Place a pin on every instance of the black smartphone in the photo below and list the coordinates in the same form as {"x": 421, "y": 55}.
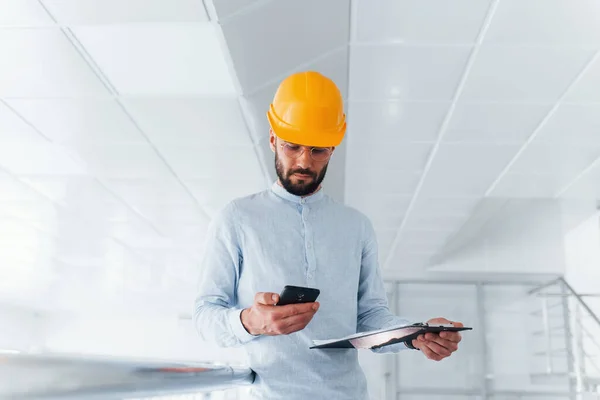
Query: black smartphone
{"x": 297, "y": 294}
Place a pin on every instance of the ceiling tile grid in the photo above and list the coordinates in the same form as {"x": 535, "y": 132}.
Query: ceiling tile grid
{"x": 425, "y": 21}
{"x": 125, "y": 126}
{"x": 92, "y": 12}
{"x": 64, "y": 72}
{"x": 168, "y": 59}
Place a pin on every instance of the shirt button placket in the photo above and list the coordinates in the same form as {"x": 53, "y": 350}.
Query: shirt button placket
{"x": 308, "y": 245}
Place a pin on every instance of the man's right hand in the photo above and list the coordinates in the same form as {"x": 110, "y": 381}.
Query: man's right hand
{"x": 264, "y": 318}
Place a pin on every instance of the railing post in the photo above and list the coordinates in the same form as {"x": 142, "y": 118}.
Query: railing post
{"x": 546, "y": 321}
{"x": 578, "y": 345}
{"x": 568, "y": 340}
{"x": 485, "y": 371}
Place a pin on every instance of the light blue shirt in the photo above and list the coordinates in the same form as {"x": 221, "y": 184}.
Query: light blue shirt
{"x": 262, "y": 242}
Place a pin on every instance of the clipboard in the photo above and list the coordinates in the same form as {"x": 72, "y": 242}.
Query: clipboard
{"x": 384, "y": 337}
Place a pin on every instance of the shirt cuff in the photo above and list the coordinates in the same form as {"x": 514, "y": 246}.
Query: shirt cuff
{"x": 235, "y": 323}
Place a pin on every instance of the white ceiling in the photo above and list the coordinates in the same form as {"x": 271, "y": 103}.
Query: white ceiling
{"x": 124, "y": 125}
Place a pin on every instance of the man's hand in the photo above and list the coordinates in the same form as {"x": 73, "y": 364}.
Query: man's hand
{"x": 438, "y": 346}
{"x": 264, "y": 318}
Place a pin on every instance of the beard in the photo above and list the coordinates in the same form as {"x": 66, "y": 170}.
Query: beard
{"x": 302, "y": 187}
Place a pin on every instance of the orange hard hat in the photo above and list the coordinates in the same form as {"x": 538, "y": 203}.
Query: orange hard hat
{"x": 308, "y": 110}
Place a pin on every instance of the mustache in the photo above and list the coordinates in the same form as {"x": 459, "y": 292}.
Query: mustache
{"x": 303, "y": 172}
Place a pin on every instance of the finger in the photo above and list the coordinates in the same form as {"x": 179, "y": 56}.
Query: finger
{"x": 429, "y": 353}
{"x": 438, "y": 321}
{"x": 437, "y": 349}
{"x": 296, "y": 322}
{"x": 296, "y": 309}
{"x": 451, "y": 336}
{"x": 458, "y": 324}
{"x": 452, "y": 346}
{"x": 266, "y": 298}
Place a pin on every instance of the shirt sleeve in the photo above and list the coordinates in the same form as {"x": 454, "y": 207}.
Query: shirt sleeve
{"x": 373, "y": 309}
{"x": 216, "y": 316}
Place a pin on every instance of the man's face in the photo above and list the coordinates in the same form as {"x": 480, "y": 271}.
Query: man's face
{"x": 300, "y": 176}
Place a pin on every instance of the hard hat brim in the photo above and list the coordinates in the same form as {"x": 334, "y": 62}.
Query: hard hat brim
{"x": 331, "y": 138}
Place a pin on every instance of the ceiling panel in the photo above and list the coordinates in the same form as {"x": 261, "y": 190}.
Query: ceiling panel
{"x": 213, "y": 193}
{"x": 138, "y": 235}
{"x": 91, "y": 12}
{"x": 159, "y": 59}
{"x": 79, "y": 197}
{"x": 214, "y": 121}
{"x": 32, "y": 211}
{"x": 42, "y": 159}
{"x": 313, "y": 28}
{"x": 420, "y": 21}
{"x": 23, "y": 13}
{"x": 469, "y": 159}
{"x": 81, "y": 121}
{"x": 122, "y": 161}
{"x": 62, "y": 189}
{"x": 170, "y": 218}
{"x": 406, "y": 72}
{"x": 572, "y": 124}
{"x": 523, "y": 74}
{"x": 514, "y": 185}
{"x": 587, "y": 186}
{"x": 64, "y": 72}
{"x": 587, "y": 89}
{"x": 364, "y": 201}
{"x": 11, "y": 189}
{"x": 466, "y": 169}
{"x": 547, "y": 22}
{"x": 226, "y": 8}
{"x": 392, "y": 157}
{"x": 198, "y": 162}
{"x": 165, "y": 191}
{"x": 14, "y": 129}
{"x": 502, "y": 123}
{"x": 442, "y": 222}
{"x": 406, "y": 261}
{"x": 444, "y": 206}
{"x": 439, "y": 183}
{"x": 383, "y": 221}
{"x": 390, "y": 122}
{"x": 561, "y": 159}
{"x": 422, "y": 240}
{"x": 371, "y": 180}
{"x": 385, "y": 238}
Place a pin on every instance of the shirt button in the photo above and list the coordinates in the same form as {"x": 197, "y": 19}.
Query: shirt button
{"x": 308, "y": 245}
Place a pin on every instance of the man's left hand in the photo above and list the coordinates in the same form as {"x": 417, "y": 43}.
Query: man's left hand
{"x": 438, "y": 346}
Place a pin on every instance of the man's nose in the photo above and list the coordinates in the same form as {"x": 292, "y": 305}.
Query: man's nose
{"x": 304, "y": 161}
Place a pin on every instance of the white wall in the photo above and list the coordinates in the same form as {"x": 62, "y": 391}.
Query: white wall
{"x": 509, "y": 236}
{"x": 582, "y": 248}
{"x": 20, "y": 328}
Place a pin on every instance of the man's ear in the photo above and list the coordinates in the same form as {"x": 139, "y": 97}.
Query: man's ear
{"x": 272, "y": 141}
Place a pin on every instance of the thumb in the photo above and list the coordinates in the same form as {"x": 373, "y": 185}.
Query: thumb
{"x": 266, "y": 298}
{"x": 439, "y": 321}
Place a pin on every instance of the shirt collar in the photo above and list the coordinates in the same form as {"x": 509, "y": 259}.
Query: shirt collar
{"x": 284, "y": 194}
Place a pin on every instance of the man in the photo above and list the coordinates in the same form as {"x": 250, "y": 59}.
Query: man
{"x": 294, "y": 234}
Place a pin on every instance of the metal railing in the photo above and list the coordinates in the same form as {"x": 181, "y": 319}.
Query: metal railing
{"x": 558, "y": 360}
{"x": 44, "y": 376}
{"x": 577, "y": 335}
